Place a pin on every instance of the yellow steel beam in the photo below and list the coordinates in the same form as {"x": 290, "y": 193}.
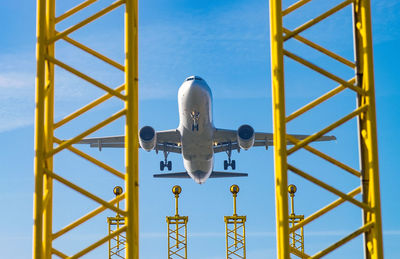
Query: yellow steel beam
{"x": 316, "y": 20}
{"x": 321, "y": 49}
{"x": 48, "y": 131}
{"x": 326, "y": 157}
{"x": 74, "y": 10}
{"x": 299, "y": 253}
{"x": 346, "y": 239}
{"x": 278, "y": 104}
{"x": 85, "y": 77}
{"x": 93, "y": 160}
{"x": 367, "y": 128}
{"x": 40, "y": 143}
{"x": 86, "y": 21}
{"x": 94, "y": 53}
{"x": 98, "y": 243}
{"x": 58, "y": 253}
{"x": 322, "y": 71}
{"x": 322, "y": 132}
{"x": 295, "y": 6}
{"x": 76, "y": 139}
{"x": 88, "y": 107}
{"x": 318, "y": 101}
{"x": 131, "y": 129}
{"x": 329, "y": 188}
{"x": 324, "y": 210}
{"x": 86, "y": 217}
{"x": 84, "y": 192}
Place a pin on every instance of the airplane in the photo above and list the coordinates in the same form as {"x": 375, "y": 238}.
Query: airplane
{"x": 196, "y": 138}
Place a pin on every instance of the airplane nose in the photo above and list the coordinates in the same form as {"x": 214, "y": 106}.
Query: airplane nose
{"x": 199, "y": 176}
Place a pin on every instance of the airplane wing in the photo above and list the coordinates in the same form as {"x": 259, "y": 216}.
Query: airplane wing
{"x": 227, "y": 139}
{"x": 168, "y": 140}
{"x": 214, "y": 174}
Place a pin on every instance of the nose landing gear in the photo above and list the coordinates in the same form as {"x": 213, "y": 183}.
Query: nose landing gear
{"x": 195, "y": 117}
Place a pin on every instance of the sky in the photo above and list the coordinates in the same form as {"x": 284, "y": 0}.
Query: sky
{"x": 227, "y": 44}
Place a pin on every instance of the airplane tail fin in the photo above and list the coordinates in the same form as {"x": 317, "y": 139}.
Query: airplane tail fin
{"x": 214, "y": 174}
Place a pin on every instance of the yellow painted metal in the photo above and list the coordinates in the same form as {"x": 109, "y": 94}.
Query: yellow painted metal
{"x": 367, "y": 128}
{"x": 363, "y": 87}
{"x": 39, "y": 131}
{"x": 177, "y": 230}
{"x": 116, "y": 245}
{"x": 279, "y": 126}
{"x": 87, "y": 21}
{"x": 324, "y": 210}
{"x": 87, "y": 217}
{"x": 87, "y": 107}
{"x": 47, "y": 144}
{"x": 296, "y": 239}
{"x": 131, "y": 129}
{"x": 93, "y": 160}
{"x": 235, "y": 231}
{"x": 318, "y": 101}
{"x": 49, "y": 119}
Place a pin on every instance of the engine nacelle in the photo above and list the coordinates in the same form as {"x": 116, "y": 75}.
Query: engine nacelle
{"x": 147, "y": 138}
{"x": 245, "y": 136}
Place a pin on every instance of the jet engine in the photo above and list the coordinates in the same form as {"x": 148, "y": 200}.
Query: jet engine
{"x": 245, "y": 136}
{"x": 147, "y": 138}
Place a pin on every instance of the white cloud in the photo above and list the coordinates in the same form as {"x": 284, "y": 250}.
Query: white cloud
{"x": 17, "y": 80}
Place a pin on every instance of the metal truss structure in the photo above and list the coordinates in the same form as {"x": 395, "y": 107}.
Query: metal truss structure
{"x": 296, "y": 237}
{"x": 177, "y": 230}
{"x": 362, "y": 86}
{"x": 177, "y": 236}
{"x": 47, "y": 145}
{"x": 235, "y": 231}
{"x": 116, "y": 245}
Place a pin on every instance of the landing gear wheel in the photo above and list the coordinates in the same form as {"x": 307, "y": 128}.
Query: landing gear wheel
{"x": 162, "y": 165}
{"x": 169, "y": 165}
{"x": 225, "y": 164}
{"x": 233, "y": 164}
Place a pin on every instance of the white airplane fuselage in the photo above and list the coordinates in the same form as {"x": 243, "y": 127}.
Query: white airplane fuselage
{"x": 196, "y": 128}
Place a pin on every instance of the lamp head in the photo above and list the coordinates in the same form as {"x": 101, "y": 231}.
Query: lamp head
{"x": 292, "y": 189}
{"x": 118, "y": 190}
{"x": 176, "y": 190}
{"x": 234, "y": 189}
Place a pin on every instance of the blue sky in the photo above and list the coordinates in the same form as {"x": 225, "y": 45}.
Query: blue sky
{"x": 227, "y": 43}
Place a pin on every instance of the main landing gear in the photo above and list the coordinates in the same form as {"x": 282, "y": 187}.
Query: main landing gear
{"x": 165, "y": 163}
{"x": 229, "y": 162}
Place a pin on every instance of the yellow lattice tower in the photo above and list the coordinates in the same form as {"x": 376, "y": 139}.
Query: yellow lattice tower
{"x": 296, "y": 237}
{"x": 235, "y": 231}
{"x": 362, "y": 88}
{"x": 177, "y": 230}
{"x": 47, "y": 145}
{"x": 116, "y": 245}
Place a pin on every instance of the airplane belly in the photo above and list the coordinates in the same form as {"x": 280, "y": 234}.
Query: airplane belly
{"x": 198, "y": 154}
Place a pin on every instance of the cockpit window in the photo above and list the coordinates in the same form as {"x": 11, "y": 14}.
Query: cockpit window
{"x": 194, "y": 78}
